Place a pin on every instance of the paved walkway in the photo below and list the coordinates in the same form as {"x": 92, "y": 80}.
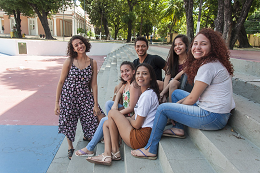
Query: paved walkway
{"x": 28, "y": 126}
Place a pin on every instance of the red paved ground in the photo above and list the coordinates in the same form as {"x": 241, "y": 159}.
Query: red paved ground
{"x": 28, "y": 87}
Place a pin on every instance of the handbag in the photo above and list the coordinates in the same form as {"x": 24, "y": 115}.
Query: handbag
{"x": 184, "y": 84}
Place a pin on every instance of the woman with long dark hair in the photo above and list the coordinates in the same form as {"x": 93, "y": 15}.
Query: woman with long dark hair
{"x": 208, "y": 105}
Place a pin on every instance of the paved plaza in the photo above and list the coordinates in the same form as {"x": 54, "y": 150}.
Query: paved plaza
{"x": 28, "y": 126}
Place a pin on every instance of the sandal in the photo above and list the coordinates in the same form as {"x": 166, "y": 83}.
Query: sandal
{"x": 114, "y": 157}
{"x": 70, "y": 153}
{"x": 145, "y": 156}
{"x": 100, "y": 162}
{"x": 173, "y": 135}
{"x": 83, "y": 153}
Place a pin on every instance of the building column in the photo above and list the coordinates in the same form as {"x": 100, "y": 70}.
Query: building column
{"x": 55, "y": 27}
{"x": 1, "y": 26}
{"x": 36, "y": 26}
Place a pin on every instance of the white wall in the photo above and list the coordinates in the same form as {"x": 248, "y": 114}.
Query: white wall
{"x": 51, "y": 48}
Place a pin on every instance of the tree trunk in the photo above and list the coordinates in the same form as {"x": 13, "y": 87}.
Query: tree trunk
{"x": 242, "y": 38}
{"x": 227, "y": 22}
{"x": 17, "y": 17}
{"x": 131, "y": 4}
{"x": 243, "y": 15}
{"x": 129, "y": 31}
{"x": 189, "y": 18}
{"x": 105, "y": 24}
{"x": 219, "y": 22}
{"x": 44, "y": 21}
{"x": 141, "y": 25}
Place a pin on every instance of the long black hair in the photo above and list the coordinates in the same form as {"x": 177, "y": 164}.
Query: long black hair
{"x": 131, "y": 66}
{"x": 173, "y": 58}
{"x": 153, "y": 83}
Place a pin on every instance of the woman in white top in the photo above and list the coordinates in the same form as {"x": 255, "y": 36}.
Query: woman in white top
{"x": 208, "y": 105}
{"x": 135, "y": 130}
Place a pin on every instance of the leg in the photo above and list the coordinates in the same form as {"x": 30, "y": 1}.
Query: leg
{"x": 173, "y": 85}
{"x": 104, "y": 158}
{"x": 94, "y": 141}
{"x": 118, "y": 124}
{"x": 109, "y": 105}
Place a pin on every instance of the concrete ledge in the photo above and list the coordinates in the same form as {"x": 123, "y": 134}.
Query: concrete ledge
{"x": 247, "y": 67}
{"x": 226, "y": 151}
{"x": 181, "y": 155}
{"x": 245, "y": 119}
{"x": 51, "y": 47}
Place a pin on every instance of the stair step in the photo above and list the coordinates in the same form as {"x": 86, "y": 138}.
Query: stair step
{"x": 226, "y": 151}
{"x": 137, "y": 165}
{"x": 246, "y": 67}
{"x": 181, "y": 155}
{"x": 245, "y": 119}
{"x": 247, "y": 86}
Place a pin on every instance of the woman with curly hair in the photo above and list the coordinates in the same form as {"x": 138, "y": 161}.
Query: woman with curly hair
{"x": 78, "y": 77}
{"x": 208, "y": 105}
{"x": 176, "y": 58}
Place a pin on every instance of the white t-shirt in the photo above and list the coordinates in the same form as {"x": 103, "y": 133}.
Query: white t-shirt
{"x": 218, "y": 96}
{"x": 146, "y": 106}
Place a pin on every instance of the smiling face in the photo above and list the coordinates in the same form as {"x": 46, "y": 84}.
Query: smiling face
{"x": 179, "y": 46}
{"x": 143, "y": 77}
{"x": 78, "y": 46}
{"x": 141, "y": 48}
{"x": 201, "y": 46}
{"x": 127, "y": 72}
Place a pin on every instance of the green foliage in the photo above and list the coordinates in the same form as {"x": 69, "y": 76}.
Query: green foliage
{"x": 252, "y": 24}
{"x": 81, "y": 30}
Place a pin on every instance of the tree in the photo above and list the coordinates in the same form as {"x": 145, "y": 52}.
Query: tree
{"x": 219, "y": 22}
{"x": 16, "y": 7}
{"x": 130, "y": 17}
{"x": 99, "y": 11}
{"x": 44, "y": 8}
{"x": 189, "y": 18}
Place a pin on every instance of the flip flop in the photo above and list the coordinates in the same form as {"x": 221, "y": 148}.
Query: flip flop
{"x": 83, "y": 154}
{"x": 145, "y": 156}
{"x": 173, "y": 135}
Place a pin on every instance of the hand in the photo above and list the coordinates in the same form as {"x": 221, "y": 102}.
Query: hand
{"x": 57, "y": 109}
{"x": 96, "y": 110}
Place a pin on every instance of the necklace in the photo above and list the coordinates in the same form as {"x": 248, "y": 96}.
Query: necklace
{"x": 83, "y": 66}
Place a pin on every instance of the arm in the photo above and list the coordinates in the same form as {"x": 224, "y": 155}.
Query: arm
{"x": 134, "y": 96}
{"x": 196, "y": 92}
{"x": 137, "y": 124}
{"x": 117, "y": 98}
{"x": 94, "y": 88}
{"x": 64, "y": 74}
{"x": 178, "y": 76}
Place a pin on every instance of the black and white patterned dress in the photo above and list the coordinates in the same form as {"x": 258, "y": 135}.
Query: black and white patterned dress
{"x": 77, "y": 102}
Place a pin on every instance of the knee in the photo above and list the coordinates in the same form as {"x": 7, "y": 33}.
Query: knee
{"x": 174, "y": 83}
{"x": 111, "y": 113}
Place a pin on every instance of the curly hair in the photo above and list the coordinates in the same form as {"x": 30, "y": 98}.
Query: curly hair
{"x": 219, "y": 52}
{"x": 153, "y": 83}
{"x": 70, "y": 50}
{"x": 131, "y": 65}
{"x": 173, "y": 58}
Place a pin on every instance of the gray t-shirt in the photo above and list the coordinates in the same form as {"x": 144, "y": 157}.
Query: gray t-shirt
{"x": 218, "y": 96}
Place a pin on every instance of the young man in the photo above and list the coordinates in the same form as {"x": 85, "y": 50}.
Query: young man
{"x": 157, "y": 62}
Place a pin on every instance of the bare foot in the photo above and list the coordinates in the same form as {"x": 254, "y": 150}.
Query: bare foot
{"x": 142, "y": 153}
{"x": 84, "y": 152}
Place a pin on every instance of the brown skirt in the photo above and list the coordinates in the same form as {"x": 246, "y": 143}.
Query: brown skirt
{"x": 139, "y": 137}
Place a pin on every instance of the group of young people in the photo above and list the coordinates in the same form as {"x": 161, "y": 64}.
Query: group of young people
{"x": 140, "y": 120}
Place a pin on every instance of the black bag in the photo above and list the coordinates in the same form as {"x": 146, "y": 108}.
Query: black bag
{"x": 184, "y": 85}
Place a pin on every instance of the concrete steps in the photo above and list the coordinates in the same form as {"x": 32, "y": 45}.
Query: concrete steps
{"x": 236, "y": 148}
